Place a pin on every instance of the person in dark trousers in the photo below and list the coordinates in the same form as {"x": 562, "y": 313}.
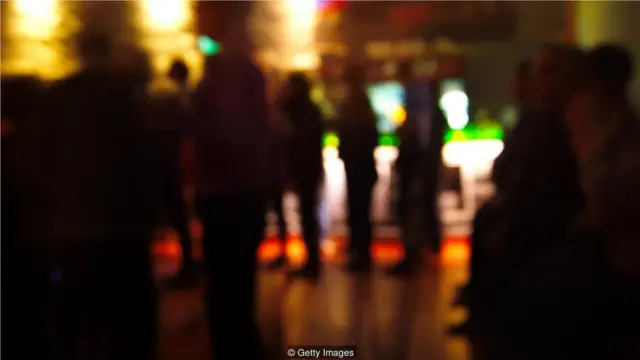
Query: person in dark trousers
{"x": 229, "y": 141}
{"x": 172, "y": 139}
{"x": 87, "y": 158}
{"x": 418, "y": 167}
{"x": 358, "y": 140}
{"x": 306, "y": 163}
{"x": 279, "y": 179}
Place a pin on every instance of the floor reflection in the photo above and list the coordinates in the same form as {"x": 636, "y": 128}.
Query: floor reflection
{"x": 387, "y": 318}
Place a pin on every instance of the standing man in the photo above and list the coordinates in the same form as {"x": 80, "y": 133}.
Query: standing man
{"x": 172, "y": 139}
{"x": 418, "y": 165}
{"x": 229, "y": 138}
{"x": 88, "y": 161}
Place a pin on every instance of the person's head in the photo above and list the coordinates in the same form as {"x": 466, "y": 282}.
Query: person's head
{"x": 610, "y": 70}
{"x": 298, "y": 87}
{"x": 94, "y": 50}
{"x": 558, "y": 71}
{"x": 521, "y": 83}
{"x": 405, "y": 71}
{"x": 179, "y": 72}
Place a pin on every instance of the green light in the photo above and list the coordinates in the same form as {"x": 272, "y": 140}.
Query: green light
{"x": 470, "y": 133}
{"x": 388, "y": 140}
{"x": 208, "y": 46}
{"x": 331, "y": 140}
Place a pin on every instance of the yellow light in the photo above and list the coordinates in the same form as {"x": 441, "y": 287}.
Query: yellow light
{"x": 398, "y": 115}
{"x": 34, "y": 40}
{"x": 166, "y": 15}
{"x": 39, "y": 18}
{"x": 288, "y": 28}
{"x": 168, "y": 33}
{"x": 304, "y": 61}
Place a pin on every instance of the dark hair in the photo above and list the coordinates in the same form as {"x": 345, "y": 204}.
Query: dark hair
{"x": 572, "y": 57}
{"x": 300, "y": 81}
{"x": 94, "y": 45}
{"x": 611, "y": 64}
{"x": 179, "y": 70}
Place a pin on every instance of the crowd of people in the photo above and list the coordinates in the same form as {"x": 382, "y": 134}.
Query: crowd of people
{"x": 94, "y": 165}
{"x": 554, "y": 262}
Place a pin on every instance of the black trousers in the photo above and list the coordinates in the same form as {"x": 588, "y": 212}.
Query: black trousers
{"x": 179, "y": 217}
{"x": 96, "y": 299}
{"x": 308, "y": 203}
{"x": 427, "y": 177}
{"x": 233, "y": 230}
{"x": 25, "y": 304}
{"x": 486, "y": 272}
{"x": 276, "y": 202}
{"x": 359, "y": 195}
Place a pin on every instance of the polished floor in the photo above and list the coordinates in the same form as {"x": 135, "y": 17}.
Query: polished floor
{"x": 387, "y": 318}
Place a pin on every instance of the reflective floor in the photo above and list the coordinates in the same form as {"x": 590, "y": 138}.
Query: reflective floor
{"x": 386, "y": 318}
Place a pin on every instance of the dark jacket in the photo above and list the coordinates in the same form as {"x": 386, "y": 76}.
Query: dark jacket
{"x": 304, "y": 147}
{"x": 87, "y": 156}
{"x": 542, "y": 196}
{"x": 358, "y": 139}
{"x": 410, "y": 155}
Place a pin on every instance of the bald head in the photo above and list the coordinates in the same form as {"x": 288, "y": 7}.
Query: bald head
{"x": 558, "y": 72}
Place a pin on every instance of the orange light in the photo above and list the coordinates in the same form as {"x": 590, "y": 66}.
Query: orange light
{"x": 399, "y": 115}
{"x": 456, "y": 250}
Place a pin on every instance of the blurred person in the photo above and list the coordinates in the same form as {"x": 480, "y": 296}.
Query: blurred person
{"x": 358, "y": 140}
{"x": 304, "y": 152}
{"x": 176, "y": 111}
{"x": 279, "y": 178}
{"x": 229, "y": 140}
{"x": 537, "y": 193}
{"x": 520, "y": 89}
{"x": 24, "y": 275}
{"x": 591, "y": 287}
{"x": 87, "y": 159}
{"x": 418, "y": 168}
{"x": 505, "y": 163}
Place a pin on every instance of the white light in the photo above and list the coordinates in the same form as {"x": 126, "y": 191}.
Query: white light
{"x": 166, "y": 15}
{"x": 455, "y": 104}
{"x": 471, "y": 153}
{"x": 39, "y": 18}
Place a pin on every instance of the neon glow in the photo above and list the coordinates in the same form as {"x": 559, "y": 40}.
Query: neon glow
{"x": 208, "y": 46}
{"x": 387, "y": 100}
{"x": 455, "y": 104}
